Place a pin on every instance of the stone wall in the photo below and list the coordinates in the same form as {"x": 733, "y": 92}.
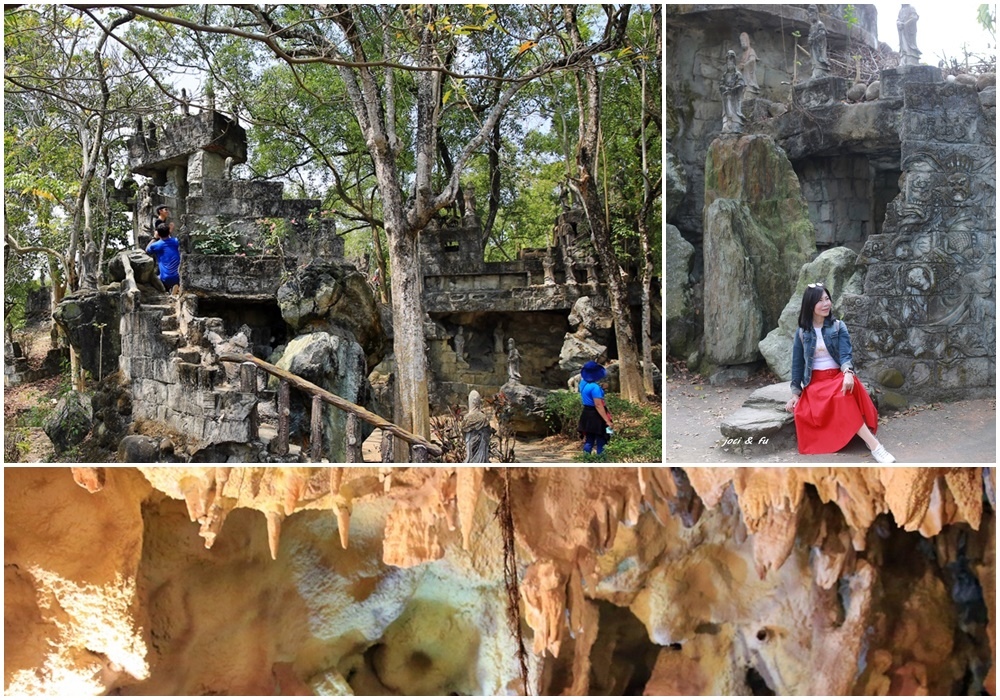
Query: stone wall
{"x": 697, "y": 40}
{"x": 839, "y": 192}
{"x": 927, "y": 318}
{"x": 178, "y": 393}
{"x": 230, "y": 275}
{"x": 483, "y": 366}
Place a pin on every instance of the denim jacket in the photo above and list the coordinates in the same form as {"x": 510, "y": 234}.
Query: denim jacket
{"x": 838, "y": 342}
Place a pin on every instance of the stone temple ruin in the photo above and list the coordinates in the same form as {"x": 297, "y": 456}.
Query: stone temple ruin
{"x": 266, "y": 276}
{"x": 885, "y": 190}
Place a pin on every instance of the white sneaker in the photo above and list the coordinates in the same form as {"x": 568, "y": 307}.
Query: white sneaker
{"x": 882, "y": 455}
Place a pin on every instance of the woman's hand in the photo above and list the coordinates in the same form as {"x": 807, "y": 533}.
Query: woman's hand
{"x": 792, "y": 403}
{"x": 848, "y": 387}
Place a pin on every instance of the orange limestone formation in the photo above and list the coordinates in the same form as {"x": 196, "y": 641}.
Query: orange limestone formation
{"x": 184, "y": 580}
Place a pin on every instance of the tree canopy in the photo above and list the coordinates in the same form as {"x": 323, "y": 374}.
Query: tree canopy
{"x": 384, "y": 112}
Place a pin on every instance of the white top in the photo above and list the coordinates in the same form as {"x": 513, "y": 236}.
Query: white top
{"x": 821, "y": 357}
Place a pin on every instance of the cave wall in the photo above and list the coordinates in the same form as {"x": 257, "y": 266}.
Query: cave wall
{"x": 299, "y": 580}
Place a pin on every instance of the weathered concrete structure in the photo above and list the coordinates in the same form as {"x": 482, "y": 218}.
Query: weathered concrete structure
{"x": 265, "y": 276}
{"x": 907, "y": 179}
{"x": 476, "y": 306}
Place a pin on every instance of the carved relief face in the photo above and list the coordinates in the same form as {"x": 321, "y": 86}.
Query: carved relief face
{"x": 958, "y": 184}
{"x": 919, "y": 279}
{"x": 918, "y": 187}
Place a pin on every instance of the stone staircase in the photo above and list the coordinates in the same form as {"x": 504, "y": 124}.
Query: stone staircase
{"x": 762, "y": 422}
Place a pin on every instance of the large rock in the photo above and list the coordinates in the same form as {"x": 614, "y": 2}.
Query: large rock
{"x": 336, "y": 364}
{"x": 762, "y": 422}
{"x": 596, "y": 321}
{"x": 837, "y": 269}
{"x": 529, "y": 408}
{"x": 678, "y": 310}
{"x": 335, "y": 298}
{"x": 576, "y": 352}
{"x": 70, "y": 421}
{"x": 144, "y": 267}
{"x": 91, "y": 320}
{"x": 675, "y": 182}
{"x": 757, "y": 237}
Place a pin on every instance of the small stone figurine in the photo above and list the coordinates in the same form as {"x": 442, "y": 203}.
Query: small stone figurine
{"x": 748, "y": 64}
{"x": 513, "y": 361}
{"x": 731, "y": 87}
{"x": 476, "y": 428}
{"x": 817, "y": 45}
{"x": 906, "y": 25}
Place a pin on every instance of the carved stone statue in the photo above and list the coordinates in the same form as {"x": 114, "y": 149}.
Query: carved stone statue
{"x": 469, "y": 196}
{"x": 185, "y": 102}
{"x": 817, "y": 45}
{"x": 460, "y": 344}
{"x": 748, "y": 64}
{"x": 549, "y": 266}
{"x": 906, "y": 25}
{"x": 229, "y": 168}
{"x": 731, "y": 87}
{"x": 476, "y": 427}
{"x": 498, "y": 339}
{"x": 513, "y": 361}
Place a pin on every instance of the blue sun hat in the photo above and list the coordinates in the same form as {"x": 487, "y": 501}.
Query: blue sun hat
{"x": 593, "y": 372}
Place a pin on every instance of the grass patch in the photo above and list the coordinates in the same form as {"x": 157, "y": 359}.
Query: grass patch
{"x": 638, "y": 428}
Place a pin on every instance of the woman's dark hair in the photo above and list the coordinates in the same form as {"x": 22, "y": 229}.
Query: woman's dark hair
{"x": 809, "y": 301}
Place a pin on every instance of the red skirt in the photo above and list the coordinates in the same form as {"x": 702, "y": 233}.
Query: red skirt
{"x": 826, "y": 419}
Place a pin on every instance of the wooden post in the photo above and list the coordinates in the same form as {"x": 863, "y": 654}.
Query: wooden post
{"x": 316, "y": 430}
{"x": 284, "y": 397}
{"x": 353, "y": 453}
{"x": 386, "y": 448}
{"x": 248, "y": 385}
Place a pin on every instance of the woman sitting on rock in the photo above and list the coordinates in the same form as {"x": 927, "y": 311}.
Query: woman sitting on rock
{"x": 830, "y": 406}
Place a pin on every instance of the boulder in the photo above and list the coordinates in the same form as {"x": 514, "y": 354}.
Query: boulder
{"x": 678, "y": 310}
{"x": 577, "y": 351}
{"x": 836, "y": 268}
{"x": 986, "y": 80}
{"x": 139, "y": 449}
{"x": 874, "y": 91}
{"x": 144, "y": 267}
{"x": 91, "y": 321}
{"x": 70, "y": 421}
{"x": 336, "y": 364}
{"x": 757, "y": 237}
{"x": 529, "y": 408}
{"x": 596, "y": 321}
{"x": 856, "y": 93}
{"x": 334, "y": 298}
{"x": 675, "y": 183}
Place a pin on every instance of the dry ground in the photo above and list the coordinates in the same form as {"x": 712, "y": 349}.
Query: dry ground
{"x": 959, "y": 432}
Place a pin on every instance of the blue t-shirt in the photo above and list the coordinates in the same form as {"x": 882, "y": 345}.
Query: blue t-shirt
{"x": 168, "y": 256}
{"x": 590, "y": 391}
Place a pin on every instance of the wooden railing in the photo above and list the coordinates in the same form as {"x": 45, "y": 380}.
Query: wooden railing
{"x": 420, "y": 448}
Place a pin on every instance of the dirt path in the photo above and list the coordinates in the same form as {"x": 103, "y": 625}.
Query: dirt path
{"x": 960, "y": 432}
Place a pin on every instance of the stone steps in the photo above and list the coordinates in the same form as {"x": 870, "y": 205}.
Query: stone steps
{"x": 762, "y": 420}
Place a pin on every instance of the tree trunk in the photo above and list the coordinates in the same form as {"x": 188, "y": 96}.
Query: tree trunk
{"x": 589, "y": 100}
{"x": 412, "y": 411}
